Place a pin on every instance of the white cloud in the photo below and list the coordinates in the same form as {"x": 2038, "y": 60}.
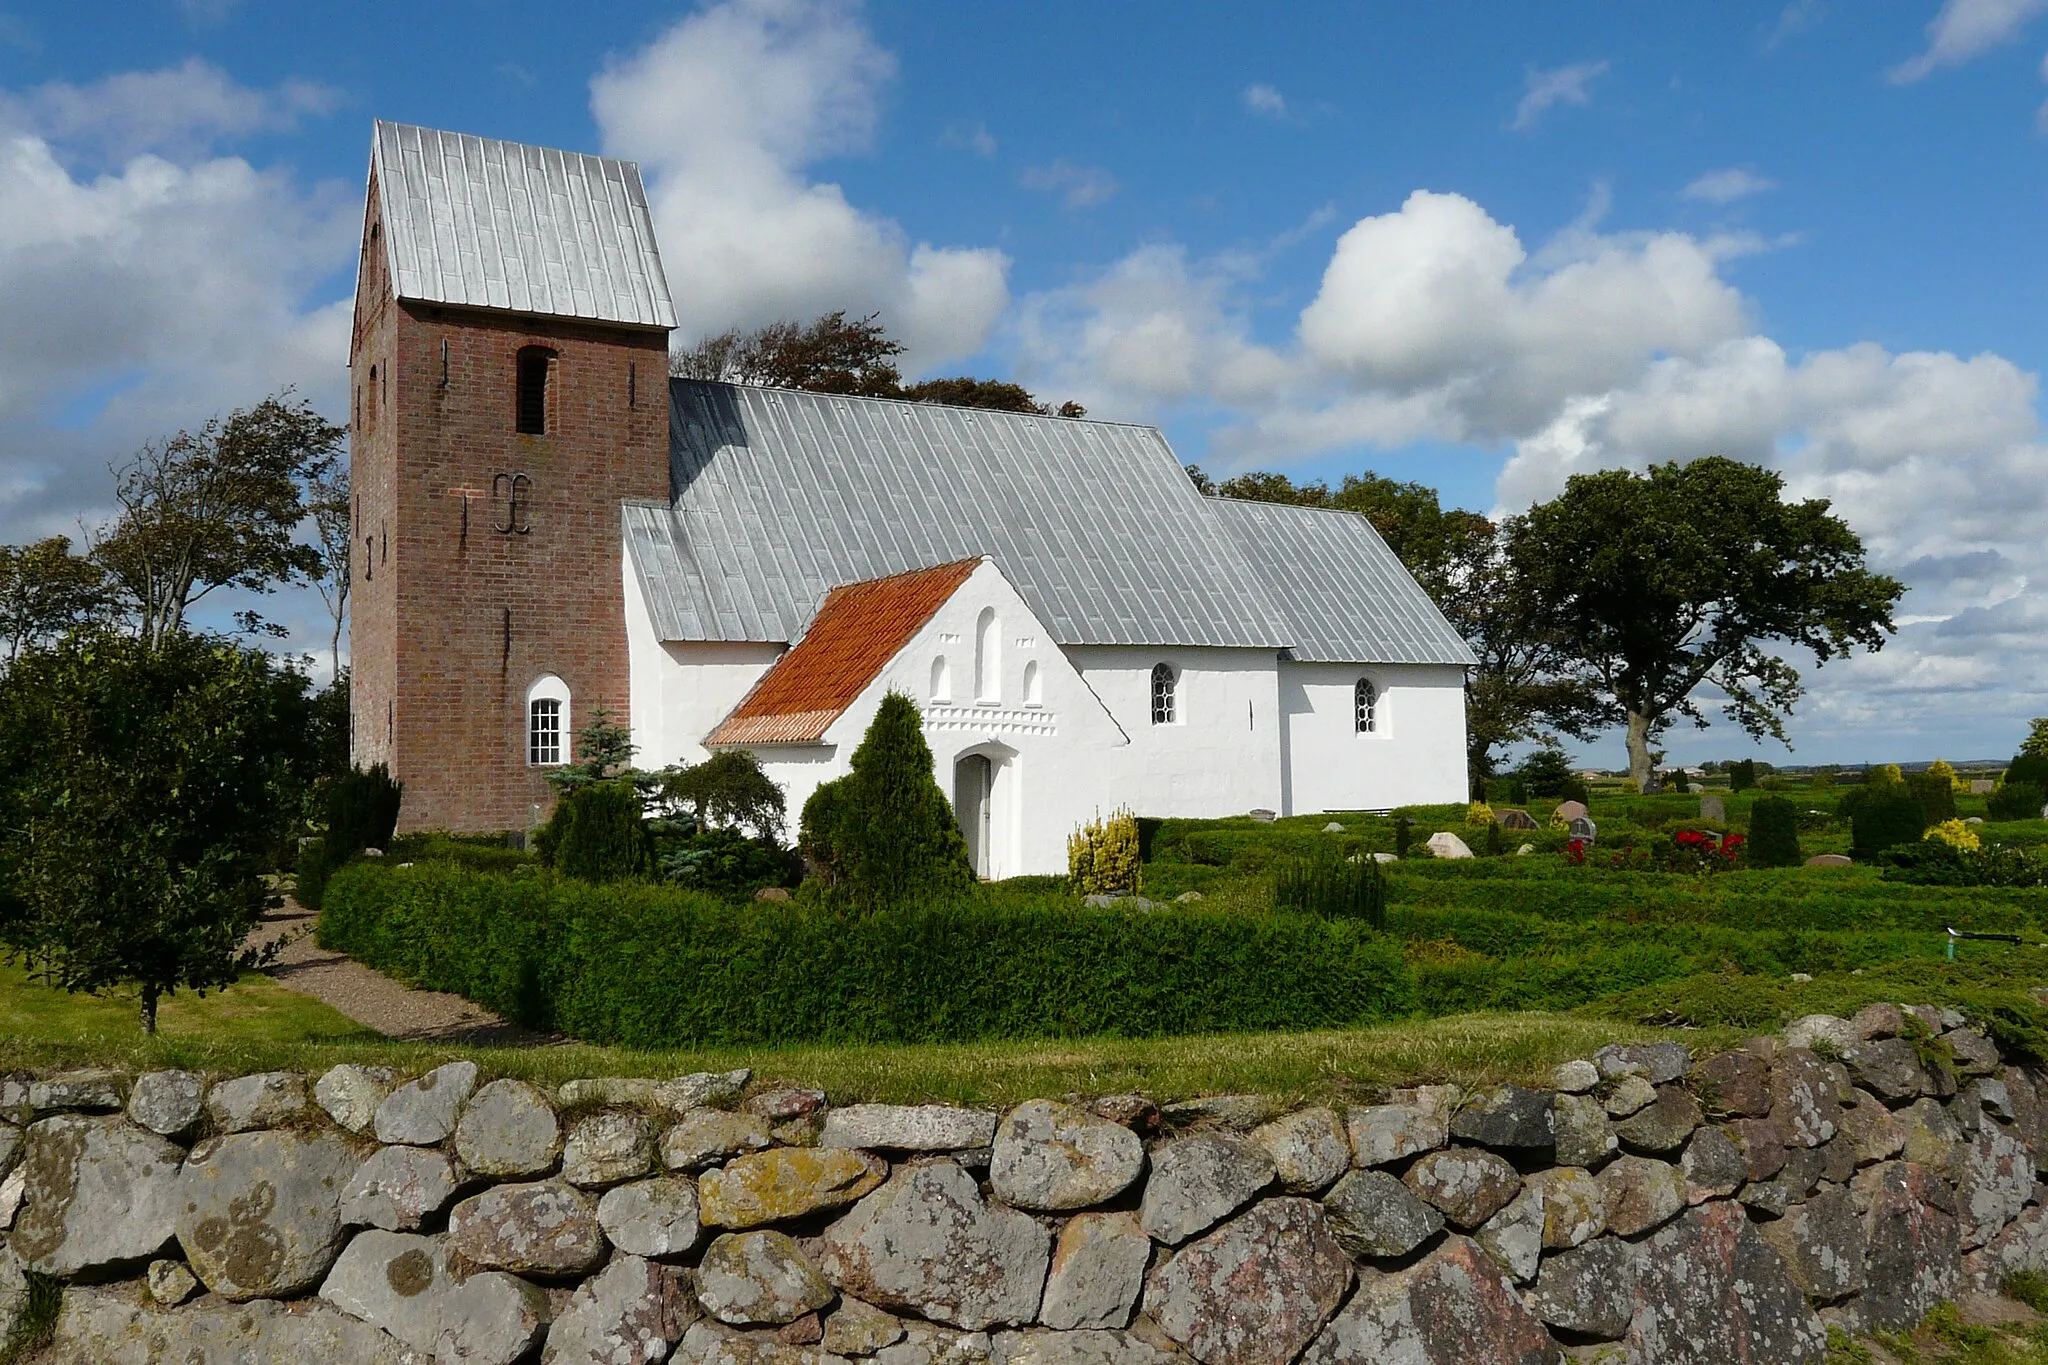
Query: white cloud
{"x": 977, "y": 139}
{"x": 1553, "y": 86}
{"x": 1264, "y": 100}
{"x": 725, "y": 111}
{"x": 1727, "y": 186}
{"x": 1964, "y": 29}
{"x": 1079, "y": 187}
{"x": 174, "y": 110}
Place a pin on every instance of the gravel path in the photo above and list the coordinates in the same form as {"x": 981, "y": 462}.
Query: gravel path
{"x": 375, "y": 1000}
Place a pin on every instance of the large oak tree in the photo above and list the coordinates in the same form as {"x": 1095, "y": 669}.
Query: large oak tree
{"x": 1661, "y": 584}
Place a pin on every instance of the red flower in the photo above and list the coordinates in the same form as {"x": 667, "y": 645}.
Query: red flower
{"x": 1732, "y": 841}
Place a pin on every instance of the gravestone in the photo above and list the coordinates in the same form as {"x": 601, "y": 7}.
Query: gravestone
{"x": 1569, "y": 811}
{"x": 1712, "y": 807}
{"x": 1514, "y": 819}
{"x": 1584, "y": 830}
{"x": 1982, "y": 786}
{"x": 1828, "y": 860}
{"x": 1263, "y": 816}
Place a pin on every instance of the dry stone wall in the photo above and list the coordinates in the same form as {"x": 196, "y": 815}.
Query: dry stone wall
{"x": 1650, "y": 1206}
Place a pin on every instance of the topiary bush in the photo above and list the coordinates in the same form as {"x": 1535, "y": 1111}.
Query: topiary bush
{"x": 548, "y": 951}
{"x": 1742, "y": 775}
{"x": 1884, "y": 816}
{"x": 2031, "y": 768}
{"x": 2016, "y": 801}
{"x": 598, "y": 834}
{"x": 1774, "y": 833}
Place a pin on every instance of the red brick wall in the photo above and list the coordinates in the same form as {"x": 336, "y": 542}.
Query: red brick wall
{"x": 453, "y": 624}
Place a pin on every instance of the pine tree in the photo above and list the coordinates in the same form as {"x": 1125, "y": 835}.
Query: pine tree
{"x": 896, "y": 835}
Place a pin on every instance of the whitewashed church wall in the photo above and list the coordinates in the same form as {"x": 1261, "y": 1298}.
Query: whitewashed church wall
{"x": 1221, "y": 753}
{"x": 680, "y": 690}
{"x": 1414, "y": 755}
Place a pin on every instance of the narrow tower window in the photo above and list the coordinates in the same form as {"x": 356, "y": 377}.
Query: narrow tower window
{"x": 536, "y": 364}
{"x": 547, "y": 722}
{"x": 942, "y": 680}
{"x": 988, "y": 658}
{"x": 1164, "y": 683}
{"x": 1366, "y": 704}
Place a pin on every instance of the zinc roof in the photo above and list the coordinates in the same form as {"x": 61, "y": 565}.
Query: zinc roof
{"x": 481, "y": 223}
{"x": 1342, "y": 593}
{"x": 858, "y": 629}
{"x": 780, "y": 496}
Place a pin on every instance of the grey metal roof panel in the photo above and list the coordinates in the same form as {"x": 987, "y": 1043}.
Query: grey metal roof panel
{"x": 780, "y": 495}
{"x": 1344, "y": 596}
{"x": 481, "y": 223}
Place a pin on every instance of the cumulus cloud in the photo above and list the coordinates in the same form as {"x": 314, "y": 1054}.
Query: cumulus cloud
{"x": 176, "y": 110}
{"x": 726, "y": 111}
{"x": 1553, "y": 86}
{"x": 1264, "y": 100}
{"x": 1727, "y": 186}
{"x": 1079, "y": 187}
{"x": 1436, "y": 322}
{"x": 1964, "y": 29}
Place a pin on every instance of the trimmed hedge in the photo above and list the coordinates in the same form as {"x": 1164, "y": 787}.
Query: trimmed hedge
{"x": 647, "y": 966}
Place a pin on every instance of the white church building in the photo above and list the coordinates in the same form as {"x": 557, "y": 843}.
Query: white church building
{"x": 1080, "y": 627}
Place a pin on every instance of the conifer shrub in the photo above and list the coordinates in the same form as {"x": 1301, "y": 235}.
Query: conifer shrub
{"x": 361, "y": 809}
{"x": 598, "y": 834}
{"x": 1956, "y": 834}
{"x": 1332, "y": 887}
{"x": 1742, "y": 775}
{"x": 1102, "y": 857}
{"x": 1946, "y": 770}
{"x": 1774, "y": 833}
{"x": 891, "y": 834}
{"x": 1885, "y": 815}
{"x": 1478, "y": 815}
{"x": 2030, "y": 768}
{"x": 1936, "y": 795}
{"x": 2015, "y": 801}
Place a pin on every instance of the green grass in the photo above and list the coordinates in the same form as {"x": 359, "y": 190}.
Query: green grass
{"x": 257, "y": 1025}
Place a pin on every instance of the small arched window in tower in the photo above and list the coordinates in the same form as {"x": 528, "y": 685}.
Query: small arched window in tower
{"x": 536, "y": 368}
{"x": 942, "y": 680}
{"x": 988, "y": 658}
{"x": 1164, "y": 684}
{"x": 547, "y": 722}
{"x": 1365, "y": 705}
{"x": 1033, "y": 694}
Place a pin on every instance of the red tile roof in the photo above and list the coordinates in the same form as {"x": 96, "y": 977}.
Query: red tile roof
{"x": 860, "y": 627}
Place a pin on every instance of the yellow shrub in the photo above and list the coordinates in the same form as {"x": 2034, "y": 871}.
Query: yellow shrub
{"x": 1479, "y": 815}
{"x": 1888, "y": 772}
{"x": 1102, "y": 856}
{"x": 1631, "y": 787}
{"x": 1956, "y": 834}
{"x": 1941, "y": 767}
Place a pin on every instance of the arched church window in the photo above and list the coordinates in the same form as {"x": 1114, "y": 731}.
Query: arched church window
{"x": 1164, "y": 683}
{"x": 942, "y": 680}
{"x": 988, "y": 658}
{"x": 547, "y": 722}
{"x": 1032, "y": 691}
{"x": 1365, "y": 699}
{"x": 536, "y": 368}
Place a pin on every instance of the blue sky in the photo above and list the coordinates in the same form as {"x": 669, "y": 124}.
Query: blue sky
{"x": 1483, "y": 246}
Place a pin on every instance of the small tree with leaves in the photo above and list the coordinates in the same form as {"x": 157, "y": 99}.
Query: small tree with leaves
{"x": 726, "y": 790}
{"x": 46, "y": 590}
{"x": 143, "y": 790}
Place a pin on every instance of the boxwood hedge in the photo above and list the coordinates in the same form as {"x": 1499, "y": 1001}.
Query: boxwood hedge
{"x": 648, "y": 966}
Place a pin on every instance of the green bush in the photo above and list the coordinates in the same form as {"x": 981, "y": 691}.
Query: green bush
{"x": 361, "y": 809}
{"x": 726, "y": 862}
{"x": 887, "y": 834}
{"x": 2015, "y": 801}
{"x": 1742, "y": 775}
{"x": 650, "y": 966}
{"x": 1885, "y": 814}
{"x": 1333, "y": 887}
{"x": 1935, "y": 862}
{"x": 597, "y": 834}
{"x": 1936, "y": 794}
{"x": 1773, "y": 833}
{"x": 2028, "y": 767}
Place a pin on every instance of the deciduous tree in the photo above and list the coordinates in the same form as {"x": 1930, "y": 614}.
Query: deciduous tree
{"x": 145, "y": 789}
{"x": 1660, "y": 584}
{"x": 46, "y": 590}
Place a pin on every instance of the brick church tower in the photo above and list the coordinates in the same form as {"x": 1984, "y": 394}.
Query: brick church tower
{"x": 509, "y": 366}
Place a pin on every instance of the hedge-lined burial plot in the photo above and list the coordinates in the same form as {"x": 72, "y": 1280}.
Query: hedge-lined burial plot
{"x": 645, "y": 966}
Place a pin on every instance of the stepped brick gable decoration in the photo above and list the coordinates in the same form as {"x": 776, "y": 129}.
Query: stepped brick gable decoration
{"x": 1650, "y": 1205}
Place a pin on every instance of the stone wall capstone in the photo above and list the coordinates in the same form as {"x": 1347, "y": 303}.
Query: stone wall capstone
{"x": 1649, "y": 1206}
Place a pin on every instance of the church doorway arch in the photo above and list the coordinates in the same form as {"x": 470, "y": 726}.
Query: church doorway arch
{"x": 985, "y": 803}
